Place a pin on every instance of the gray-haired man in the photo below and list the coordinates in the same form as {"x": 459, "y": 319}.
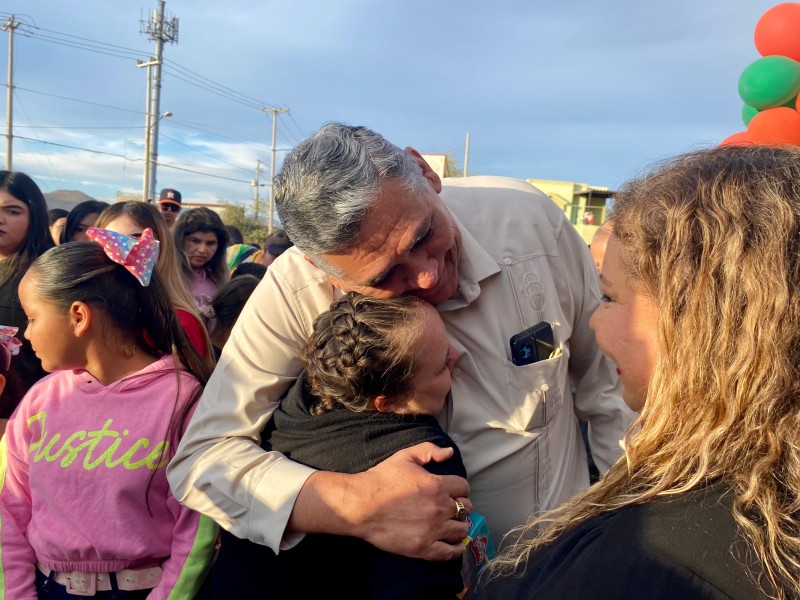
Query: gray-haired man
{"x": 496, "y": 256}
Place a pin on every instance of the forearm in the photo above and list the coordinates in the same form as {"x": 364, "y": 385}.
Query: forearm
{"x": 397, "y": 506}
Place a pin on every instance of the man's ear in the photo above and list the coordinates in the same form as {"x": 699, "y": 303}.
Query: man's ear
{"x": 80, "y": 316}
{"x": 427, "y": 172}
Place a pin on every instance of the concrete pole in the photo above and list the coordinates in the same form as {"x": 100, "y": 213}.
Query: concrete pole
{"x": 466, "y": 157}
{"x": 10, "y": 26}
{"x": 156, "y": 101}
{"x": 274, "y": 111}
{"x": 147, "y": 128}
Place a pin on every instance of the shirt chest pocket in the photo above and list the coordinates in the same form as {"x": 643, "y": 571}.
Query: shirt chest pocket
{"x": 535, "y": 392}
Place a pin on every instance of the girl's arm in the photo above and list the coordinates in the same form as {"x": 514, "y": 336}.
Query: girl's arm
{"x": 17, "y": 558}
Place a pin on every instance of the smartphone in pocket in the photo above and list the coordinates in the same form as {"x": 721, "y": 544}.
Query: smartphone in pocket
{"x": 532, "y": 345}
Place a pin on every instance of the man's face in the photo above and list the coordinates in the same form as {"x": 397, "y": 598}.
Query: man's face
{"x": 408, "y": 244}
{"x": 170, "y": 212}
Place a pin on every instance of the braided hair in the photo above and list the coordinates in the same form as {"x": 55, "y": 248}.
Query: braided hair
{"x": 363, "y": 348}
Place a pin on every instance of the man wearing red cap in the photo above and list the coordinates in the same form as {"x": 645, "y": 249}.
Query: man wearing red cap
{"x": 169, "y": 203}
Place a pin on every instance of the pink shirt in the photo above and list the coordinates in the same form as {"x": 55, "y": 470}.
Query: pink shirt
{"x": 76, "y": 463}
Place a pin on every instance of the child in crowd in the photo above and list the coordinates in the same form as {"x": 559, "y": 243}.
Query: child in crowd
{"x": 85, "y": 505}
{"x": 257, "y": 270}
{"x": 57, "y": 219}
{"x": 377, "y": 371}
{"x": 132, "y": 218}
{"x": 202, "y": 237}
{"x": 228, "y": 304}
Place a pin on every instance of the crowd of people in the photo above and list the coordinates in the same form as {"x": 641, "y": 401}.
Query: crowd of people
{"x": 189, "y": 415}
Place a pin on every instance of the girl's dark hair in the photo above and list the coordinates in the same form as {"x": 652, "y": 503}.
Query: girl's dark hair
{"x": 77, "y": 214}
{"x": 256, "y": 270}
{"x": 207, "y": 221}
{"x": 231, "y": 298}
{"x": 38, "y": 239}
{"x": 142, "y": 315}
{"x": 54, "y": 214}
{"x": 363, "y": 348}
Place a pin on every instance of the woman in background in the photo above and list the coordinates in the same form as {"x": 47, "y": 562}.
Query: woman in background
{"x": 80, "y": 218}
{"x": 24, "y": 236}
{"x": 202, "y": 237}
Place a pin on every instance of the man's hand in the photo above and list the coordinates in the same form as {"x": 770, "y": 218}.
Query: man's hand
{"x": 397, "y": 505}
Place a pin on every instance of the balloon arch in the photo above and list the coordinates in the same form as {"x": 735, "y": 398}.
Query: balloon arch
{"x": 770, "y": 86}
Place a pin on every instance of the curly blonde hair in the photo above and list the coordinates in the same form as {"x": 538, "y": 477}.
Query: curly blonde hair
{"x": 714, "y": 236}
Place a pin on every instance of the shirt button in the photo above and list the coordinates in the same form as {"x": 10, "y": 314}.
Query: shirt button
{"x": 456, "y": 371}
{"x": 455, "y": 437}
{"x": 506, "y": 261}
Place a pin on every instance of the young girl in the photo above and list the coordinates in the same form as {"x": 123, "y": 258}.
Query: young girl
{"x": 201, "y": 235}
{"x": 377, "y": 371}
{"x": 132, "y": 218}
{"x": 228, "y": 305}
{"x": 85, "y": 506}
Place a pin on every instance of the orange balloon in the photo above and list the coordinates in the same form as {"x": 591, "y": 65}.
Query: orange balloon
{"x": 740, "y": 138}
{"x": 778, "y": 31}
{"x": 775, "y": 126}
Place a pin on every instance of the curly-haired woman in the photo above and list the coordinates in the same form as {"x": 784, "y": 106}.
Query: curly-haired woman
{"x": 701, "y": 314}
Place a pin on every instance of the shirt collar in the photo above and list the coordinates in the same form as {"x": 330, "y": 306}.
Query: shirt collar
{"x": 474, "y": 265}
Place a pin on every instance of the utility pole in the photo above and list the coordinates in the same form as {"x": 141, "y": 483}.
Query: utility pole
{"x": 159, "y": 30}
{"x": 255, "y": 183}
{"x": 10, "y": 26}
{"x": 466, "y": 157}
{"x": 274, "y": 112}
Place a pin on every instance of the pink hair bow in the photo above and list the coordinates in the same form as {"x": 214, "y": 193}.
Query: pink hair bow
{"x": 9, "y": 344}
{"x": 138, "y": 256}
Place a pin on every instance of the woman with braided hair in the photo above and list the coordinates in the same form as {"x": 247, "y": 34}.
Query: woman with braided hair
{"x": 377, "y": 372}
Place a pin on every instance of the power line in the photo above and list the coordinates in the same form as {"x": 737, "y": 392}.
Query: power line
{"x": 130, "y": 110}
{"x": 195, "y": 75}
{"x": 90, "y": 48}
{"x": 207, "y": 88}
{"x": 46, "y": 154}
{"x": 237, "y": 167}
{"x": 170, "y": 166}
{"x": 125, "y": 158}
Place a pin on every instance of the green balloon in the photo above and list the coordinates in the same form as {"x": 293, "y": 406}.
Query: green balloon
{"x": 770, "y": 81}
{"x": 748, "y": 112}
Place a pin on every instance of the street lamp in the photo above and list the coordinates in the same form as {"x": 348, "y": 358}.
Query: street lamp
{"x": 151, "y": 157}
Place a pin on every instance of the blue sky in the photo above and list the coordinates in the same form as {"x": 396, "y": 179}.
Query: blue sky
{"x": 576, "y": 90}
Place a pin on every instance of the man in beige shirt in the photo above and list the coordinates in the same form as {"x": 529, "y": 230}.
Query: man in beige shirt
{"x": 495, "y": 256}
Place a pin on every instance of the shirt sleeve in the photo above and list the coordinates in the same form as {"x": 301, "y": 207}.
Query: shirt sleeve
{"x": 194, "y": 330}
{"x": 17, "y": 558}
{"x": 220, "y": 469}
{"x": 598, "y": 391}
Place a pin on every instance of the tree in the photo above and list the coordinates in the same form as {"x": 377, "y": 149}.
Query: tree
{"x": 252, "y": 228}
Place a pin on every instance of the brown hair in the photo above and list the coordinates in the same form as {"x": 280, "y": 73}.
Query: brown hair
{"x": 363, "y": 348}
